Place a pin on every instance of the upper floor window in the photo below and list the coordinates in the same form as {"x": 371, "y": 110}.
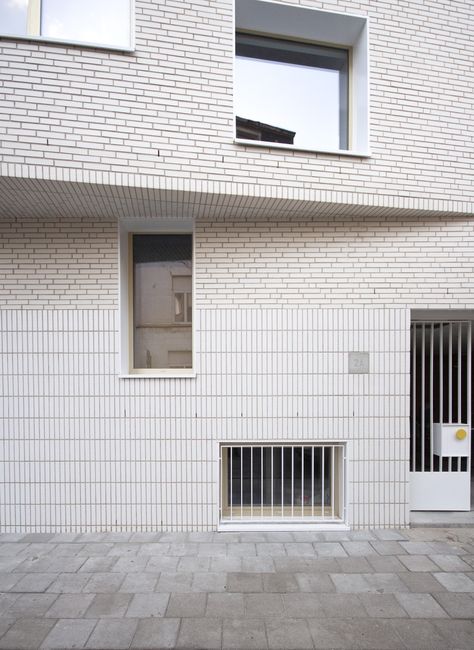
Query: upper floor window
{"x": 301, "y": 78}
{"x": 290, "y": 92}
{"x": 101, "y": 23}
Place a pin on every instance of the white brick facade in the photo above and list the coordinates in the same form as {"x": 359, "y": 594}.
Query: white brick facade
{"x": 338, "y": 248}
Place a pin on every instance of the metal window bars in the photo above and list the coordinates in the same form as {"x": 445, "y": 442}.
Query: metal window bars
{"x": 282, "y": 482}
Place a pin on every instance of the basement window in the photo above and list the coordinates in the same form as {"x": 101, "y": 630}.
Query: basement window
{"x": 98, "y": 23}
{"x": 289, "y": 483}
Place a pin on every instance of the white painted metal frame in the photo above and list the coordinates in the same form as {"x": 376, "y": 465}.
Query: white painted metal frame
{"x": 275, "y": 515}
{"x": 440, "y": 483}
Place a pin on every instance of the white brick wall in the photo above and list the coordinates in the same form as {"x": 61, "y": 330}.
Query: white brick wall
{"x": 166, "y": 109}
{"x": 412, "y": 263}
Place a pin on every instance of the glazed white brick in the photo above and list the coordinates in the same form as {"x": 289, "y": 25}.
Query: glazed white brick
{"x": 419, "y": 58}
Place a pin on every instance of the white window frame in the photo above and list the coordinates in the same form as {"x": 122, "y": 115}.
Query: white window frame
{"x": 143, "y": 227}
{"x": 34, "y": 28}
{"x": 288, "y": 524}
{"x": 291, "y": 22}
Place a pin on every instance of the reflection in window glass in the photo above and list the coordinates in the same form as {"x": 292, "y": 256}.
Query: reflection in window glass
{"x": 13, "y": 17}
{"x": 106, "y": 22}
{"x": 162, "y": 280}
{"x": 292, "y": 93}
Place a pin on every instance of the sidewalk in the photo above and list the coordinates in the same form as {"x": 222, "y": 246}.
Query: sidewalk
{"x": 365, "y": 589}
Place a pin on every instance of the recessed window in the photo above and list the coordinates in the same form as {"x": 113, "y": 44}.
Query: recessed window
{"x": 291, "y": 93}
{"x": 280, "y": 483}
{"x": 160, "y": 301}
{"x": 105, "y": 23}
{"x": 301, "y": 78}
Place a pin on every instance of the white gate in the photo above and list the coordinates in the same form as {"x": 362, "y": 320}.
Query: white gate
{"x": 441, "y": 407}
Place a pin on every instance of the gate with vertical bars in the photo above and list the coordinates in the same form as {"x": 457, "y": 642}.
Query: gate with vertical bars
{"x": 441, "y": 411}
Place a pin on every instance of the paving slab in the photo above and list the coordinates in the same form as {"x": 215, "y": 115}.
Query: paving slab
{"x": 225, "y": 605}
{"x": 421, "y": 606}
{"x": 200, "y": 633}
{"x": 288, "y": 634}
{"x": 185, "y": 605}
{"x": 108, "y": 606}
{"x": 242, "y": 634}
{"x": 139, "y": 583}
{"x": 26, "y": 633}
{"x": 70, "y": 606}
{"x": 457, "y": 582}
{"x": 147, "y": 605}
{"x": 69, "y": 633}
{"x": 457, "y": 605}
{"x": 156, "y": 633}
{"x": 262, "y": 605}
{"x": 113, "y": 634}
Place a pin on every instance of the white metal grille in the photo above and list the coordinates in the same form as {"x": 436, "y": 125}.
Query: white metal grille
{"x": 441, "y": 390}
{"x": 282, "y": 483}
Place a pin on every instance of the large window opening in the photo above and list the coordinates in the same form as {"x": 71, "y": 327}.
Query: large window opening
{"x": 290, "y": 92}
{"x": 281, "y": 483}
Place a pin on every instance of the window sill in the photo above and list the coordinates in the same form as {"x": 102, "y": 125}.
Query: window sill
{"x": 161, "y": 374}
{"x": 290, "y": 147}
{"x": 66, "y": 43}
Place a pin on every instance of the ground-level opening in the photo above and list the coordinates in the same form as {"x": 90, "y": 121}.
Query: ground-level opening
{"x": 282, "y": 483}
{"x": 441, "y": 413}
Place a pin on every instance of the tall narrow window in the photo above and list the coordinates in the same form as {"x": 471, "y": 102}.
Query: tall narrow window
{"x": 161, "y": 300}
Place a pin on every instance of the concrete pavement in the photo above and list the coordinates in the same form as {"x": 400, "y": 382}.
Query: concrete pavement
{"x": 378, "y": 589}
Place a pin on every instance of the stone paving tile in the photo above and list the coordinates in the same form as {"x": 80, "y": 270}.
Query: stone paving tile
{"x": 302, "y": 605}
{"x": 259, "y": 564}
{"x": 95, "y": 549}
{"x": 385, "y": 564}
{"x": 419, "y": 634}
{"x": 421, "y": 606}
{"x": 458, "y": 634}
{"x": 388, "y": 548}
{"x": 261, "y": 605}
{"x": 279, "y": 537}
{"x": 288, "y": 633}
{"x": 209, "y": 582}
{"x": 68, "y": 550}
{"x": 417, "y": 548}
{"x": 369, "y": 634}
{"x": 34, "y": 582}
{"x": 156, "y": 633}
{"x": 417, "y": 563}
{"x": 458, "y": 582}
{"x": 272, "y": 549}
{"x": 123, "y": 550}
{"x": 241, "y": 550}
{"x": 314, "y": 582}
{"x": 70, "y": 606}
{"x": 153, "y": 549}
{"x": 5, "y": 624}
{"x": 112, "y": 634}
{"x": 139, "y": 583}
{"x": 98, "y": 564}
{"x": 200, "y": 633}
{"x": 11, "y": 537}
{"x": 118, "y": 537}
{"x": 329, "y": 549}
{"x": 225, "y": 605}
{"x": 457, "y": 605}
{"x": 9, "y": 563}
{"x": 64, "y": 538}
{"x": 69, "y": 583}
{"x": 174, "y": 582}
{"x": 108, "y": 606}
{"x": 69, "y": 633}
{"x": 342, "y": 606}
{"x": 52, "y": 565}
{"x": 174, "y": 538}
{"x": 131, "y": 564}
{"x": 36, "y": 550}
{"x": 254, "y": 537}
{"x": 148, "y": 605}
{"x": 9, "y": 580}
{"x": 244, "y": 582}
{"x": 361, "y": 535}
{"x": 225, "y": 563}
{"x": 278, "y": 582}
{"x": 144, "y": 537}
{"x": 331, "y": 536}
{"x": 212, "y": 550}
{"x": 31, "y": 605}
{"x": 421, "y": 582}
{"x": 26, "y": 633}
{"x": 359, "y": 549}
{"x": 156, "y": 564}
{"x": 352, "y": 583}
{"x": 447, "y": 562}
{"x": 382, "y": 606}
{"x": 184, "y": 605}
{"x": 443, "y": 548}
{"x": 385, "y": 583}
{"x": 385, "y": 534}
{"x": 6, "y": 601}
{"x": 192, "y": 564}
{"x": 10, "y": 549}
{"x": 38, "y": 537}
{"x": 184, "y": 549}
{"x": 239, "y": 634}
{"x": 201, "y": 536}
{"x": 103, "y": 583}
{"x": 354, "y": 564}
{"x": 294, "y": 549}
